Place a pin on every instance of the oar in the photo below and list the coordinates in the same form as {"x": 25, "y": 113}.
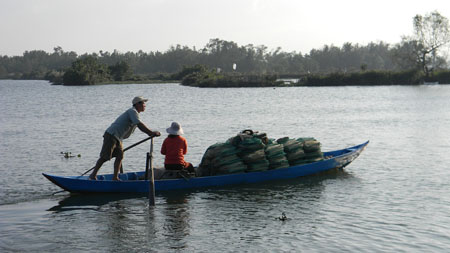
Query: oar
{"x": 132, "y": 146}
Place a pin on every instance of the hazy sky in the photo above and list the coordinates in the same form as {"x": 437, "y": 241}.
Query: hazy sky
{"x": 87, "y": 26}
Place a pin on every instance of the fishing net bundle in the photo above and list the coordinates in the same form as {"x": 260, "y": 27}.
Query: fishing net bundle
{"x": 251, "y": 151}
{"x": 310, "y": 151}
{"x": 276, "y": 155}
{"x": 220, "y": 158}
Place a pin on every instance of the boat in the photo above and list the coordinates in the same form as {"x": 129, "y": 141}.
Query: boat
{"x": 134, "y": 182}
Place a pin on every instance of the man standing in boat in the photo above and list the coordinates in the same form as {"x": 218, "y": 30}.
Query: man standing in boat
{"x": 119, "y": 130}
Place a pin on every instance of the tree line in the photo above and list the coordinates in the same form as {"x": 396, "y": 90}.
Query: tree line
{"x": 421, "y": 51}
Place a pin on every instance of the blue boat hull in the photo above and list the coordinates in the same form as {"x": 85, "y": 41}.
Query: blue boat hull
{"x": 130, "y": 184}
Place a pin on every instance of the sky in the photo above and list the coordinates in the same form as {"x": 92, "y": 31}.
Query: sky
{"x": 88, "y": 26}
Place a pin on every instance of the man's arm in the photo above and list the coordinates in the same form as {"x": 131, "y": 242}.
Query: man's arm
{"x": 147, "y": 130}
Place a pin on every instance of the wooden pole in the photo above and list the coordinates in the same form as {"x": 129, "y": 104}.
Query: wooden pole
{"x": 151, "y": 192}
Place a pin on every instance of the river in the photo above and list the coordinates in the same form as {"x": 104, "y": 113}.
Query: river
{"x": 394, "y": 198}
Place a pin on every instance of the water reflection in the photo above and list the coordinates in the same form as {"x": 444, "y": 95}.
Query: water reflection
{"x": 281, "y": 188}
{"x": 90, "y": 201}
{"x": 176, "y": 224}
{"x": 256, "y": 203}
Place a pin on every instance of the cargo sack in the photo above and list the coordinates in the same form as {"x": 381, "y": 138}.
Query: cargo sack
{"x": 276, "y": 159}
{"x": 224, "y": 149}
{"x": 311, "y": 146}
{"x": 303, "y": 139}
{"x": 237, "y": 167}
{"x": 279, "y": 164}
{"x": 298, "y": 154}
{"x": 220, "y": 161}
{"x": 292, "y": 146}
{"x": 273, "y": 150}
{"x": 262, "y": 137}
{"x": 219, "y": 150}
{"x": 261, "y": 165}
{"x": 282, "y": 140}
{"x": 251, "y": 144}
{"x": 215, "y": 156}
{"x": 236, "y": 140}
{"x": 276, "y": 156}
{"x": 204, "y": 168}
{"x": 254, "y": 156}
{"x": 281, "y": 156}
{"x": 247, "y": 134}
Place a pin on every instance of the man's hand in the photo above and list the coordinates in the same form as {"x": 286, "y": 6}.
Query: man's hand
{"x": 155, "y": 134}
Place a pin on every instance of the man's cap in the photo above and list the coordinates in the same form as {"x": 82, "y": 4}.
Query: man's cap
{"x": 139, "y": 99}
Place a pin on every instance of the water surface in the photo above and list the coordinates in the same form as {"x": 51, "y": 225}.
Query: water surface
{"x": 393, "y": 198}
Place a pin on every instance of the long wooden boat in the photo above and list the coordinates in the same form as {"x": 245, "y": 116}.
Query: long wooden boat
{"x": 131, "y": 182}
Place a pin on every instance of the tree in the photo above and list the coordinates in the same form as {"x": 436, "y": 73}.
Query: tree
{"x": 86, "y": 71}
{"x": 431, "y": 32}
{"x": 404, "y": 56}
{"x": 121, "y": 71}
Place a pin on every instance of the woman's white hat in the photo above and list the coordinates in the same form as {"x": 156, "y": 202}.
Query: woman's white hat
{"x": 175, "y": 129}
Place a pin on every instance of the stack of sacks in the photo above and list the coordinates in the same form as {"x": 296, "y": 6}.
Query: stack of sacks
{"x": 251, "y": 151}
{"x": 312, "y": 150}
{"x": 293, "y": 149}
{"x": 220, "y": 158}
{"x": 276, "y": 156}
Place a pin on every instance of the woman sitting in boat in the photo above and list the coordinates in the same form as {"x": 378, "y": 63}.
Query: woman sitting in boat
{"x": 174, "y": 148}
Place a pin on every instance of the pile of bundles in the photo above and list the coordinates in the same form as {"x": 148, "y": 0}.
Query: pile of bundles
{"x": 250, "y": 151}
{"x": 302, "y": 150}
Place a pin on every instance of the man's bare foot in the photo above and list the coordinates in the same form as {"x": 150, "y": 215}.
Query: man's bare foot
{"x": 92, "y": 178}
{"x": 116, "y": 179}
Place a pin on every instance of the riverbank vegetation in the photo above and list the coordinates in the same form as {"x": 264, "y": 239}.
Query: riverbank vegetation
{"x": 417, "y": 58}
{"x": 209, "y": 79}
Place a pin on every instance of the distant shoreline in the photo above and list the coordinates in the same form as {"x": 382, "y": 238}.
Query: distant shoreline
{"x": 126, "y": 82}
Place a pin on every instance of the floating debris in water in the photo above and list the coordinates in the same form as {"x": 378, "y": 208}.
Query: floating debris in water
{"x": 283, "y": 217}
{"x": 69, "y": 154}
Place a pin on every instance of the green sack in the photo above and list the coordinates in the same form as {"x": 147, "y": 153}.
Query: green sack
{"x": 274, "y": 150}
{"x": 295, "y": 155}
{"x": 258, "y": 166}
{"x": 224, "y": 160}
{"x": 279, "y": 165}
{"x": 292, "y": 146}
{"x": 282, "y": 140}
{"x": 303, "y": 139}
{"x": 251, "y": 144}
{"x": 237, "y": 167}
{"x": 275, "y": 158}
{"x": 254, "y": 156}
{"x": 311, "y": 146}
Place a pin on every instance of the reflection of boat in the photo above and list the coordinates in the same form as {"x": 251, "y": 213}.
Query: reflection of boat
{"x": 430, "y": 83}
{"x": 131, "y": 182}
{"x": 90, "y": 201}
